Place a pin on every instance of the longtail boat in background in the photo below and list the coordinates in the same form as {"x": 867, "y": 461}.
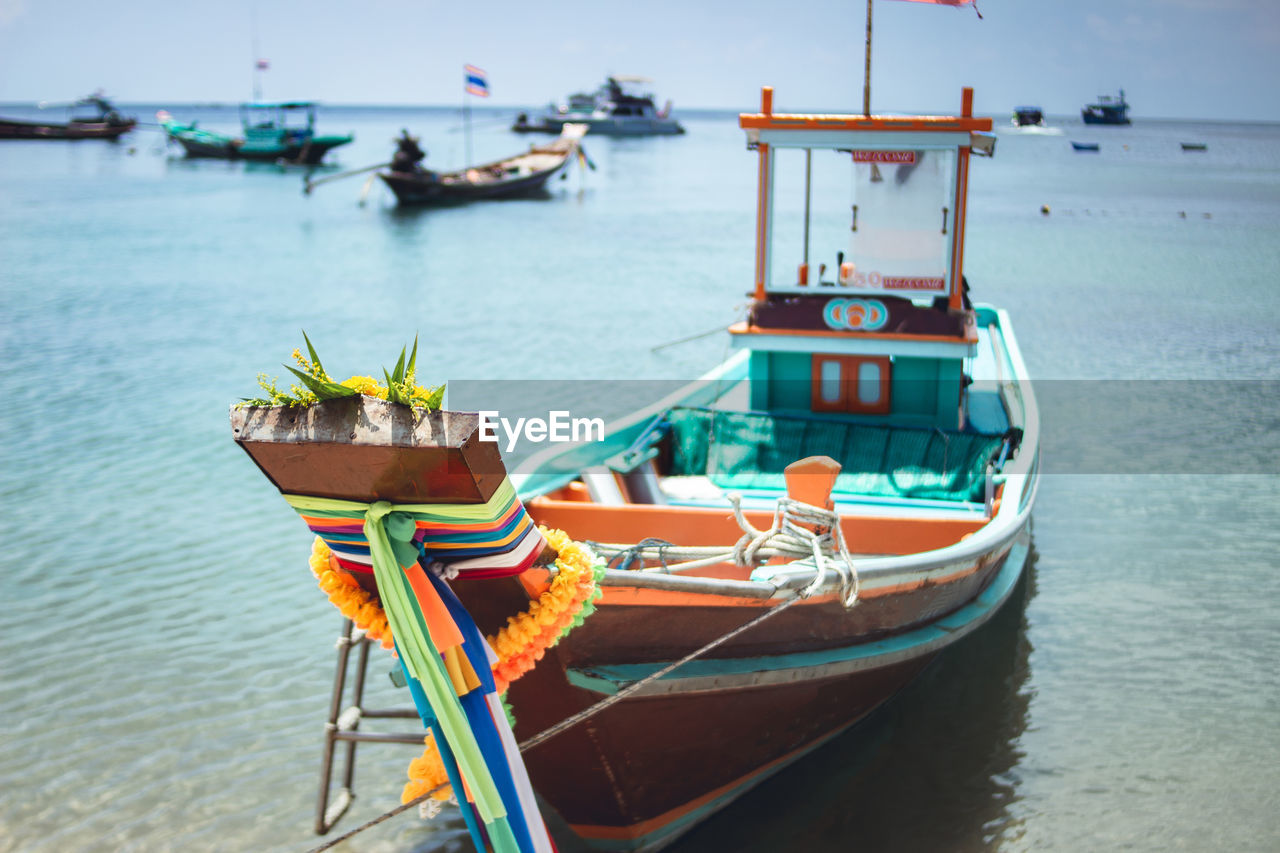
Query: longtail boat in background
{"x": 272, "y": 132}
{"x": 102, "y": 122}
{"x": 519, "y": 175}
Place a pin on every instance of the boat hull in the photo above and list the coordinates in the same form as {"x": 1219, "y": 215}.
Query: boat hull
{"x": 1095, "y": 118}
{"x": 410, "y": 189}
{"x": 14, "y": 129}
{"x": 637, "y": 126}
{"x": 644, "y": 770}
{"x": 209, "y": 146}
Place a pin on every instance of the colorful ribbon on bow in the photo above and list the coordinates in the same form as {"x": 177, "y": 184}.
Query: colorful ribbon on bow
{"x": 446, "y": 661}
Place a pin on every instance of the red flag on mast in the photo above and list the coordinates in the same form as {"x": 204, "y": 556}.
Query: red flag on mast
{"x": 949, "y": 3}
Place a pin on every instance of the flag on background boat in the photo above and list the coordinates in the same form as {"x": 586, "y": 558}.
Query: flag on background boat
{"x": 263, "y": 65}
{"x": 477, "y": 81}
{"x": 956, "y": 3}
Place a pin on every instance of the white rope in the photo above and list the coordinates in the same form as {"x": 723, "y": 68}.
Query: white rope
{"x": 799, "y": 530}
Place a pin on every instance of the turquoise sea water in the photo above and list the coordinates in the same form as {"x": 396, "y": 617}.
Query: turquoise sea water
{"x": 166, "y": 660}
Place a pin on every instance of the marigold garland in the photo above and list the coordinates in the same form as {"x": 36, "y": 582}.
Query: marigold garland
{"x": 569, "y": 599}
{"x": 352, "y": 601}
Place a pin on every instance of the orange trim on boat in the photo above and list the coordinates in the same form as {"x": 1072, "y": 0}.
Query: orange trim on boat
{"x": 956, "y": 301}
{"x": 762, "y": 218}
{"x": 934, "y": 124}
{"x": 714, "y": 526}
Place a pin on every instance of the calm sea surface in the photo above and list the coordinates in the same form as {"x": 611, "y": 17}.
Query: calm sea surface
{"x": 165, "y": 657}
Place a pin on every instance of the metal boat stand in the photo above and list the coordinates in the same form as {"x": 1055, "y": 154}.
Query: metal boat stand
{"x": 343, "y": 725}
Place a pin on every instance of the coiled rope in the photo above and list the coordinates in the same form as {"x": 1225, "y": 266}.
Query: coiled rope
{"x": 799, "y": 530}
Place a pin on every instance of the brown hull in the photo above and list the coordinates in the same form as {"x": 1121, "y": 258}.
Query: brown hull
{"x": 13, "y": 129}
{"x": 648, "y": 768}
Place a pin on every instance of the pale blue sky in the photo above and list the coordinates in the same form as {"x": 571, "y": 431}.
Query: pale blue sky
{"x": 1217, "y": 59}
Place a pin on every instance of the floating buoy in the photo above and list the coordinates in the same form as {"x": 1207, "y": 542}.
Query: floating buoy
{"x": 1044, "y": 209}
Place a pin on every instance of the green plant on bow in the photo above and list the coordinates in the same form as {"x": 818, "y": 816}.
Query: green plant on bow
{"x": 317, "y": 386}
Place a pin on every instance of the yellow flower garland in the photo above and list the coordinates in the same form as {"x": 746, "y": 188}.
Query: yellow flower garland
{"x": 352, "y": 601}
{"x": 520, "y": 645}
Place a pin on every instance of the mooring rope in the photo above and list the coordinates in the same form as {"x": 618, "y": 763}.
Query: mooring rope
{"x": 585, "y": 714}
{"x": 798, "y": 530}
{"x": 400, "y": 809}
{"x": 569, "y": 722}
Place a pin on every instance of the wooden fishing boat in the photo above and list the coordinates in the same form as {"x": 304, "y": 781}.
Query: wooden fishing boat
{"x": 922, "y": 407}
{"x": 104, "y": 122}
{"x": 520, "y": 175}
{"x": 272, "y": 133}
{"x": 791, "y": 539}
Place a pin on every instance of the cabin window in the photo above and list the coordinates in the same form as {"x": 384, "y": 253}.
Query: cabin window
{"x": 887, "y": 213}
{"x": 851, "y": 383}
{"x": 867, "y": 384}
{"x": 830, "y": 386}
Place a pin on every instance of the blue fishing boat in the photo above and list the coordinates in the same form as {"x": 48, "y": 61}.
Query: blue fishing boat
{"x": 1107, "y": 110}
{"x": 272, "y": 132}
{"x": 1084, "y": 146}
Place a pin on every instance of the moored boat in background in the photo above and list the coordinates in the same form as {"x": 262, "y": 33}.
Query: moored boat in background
{"x": 1107, "y": 110}
{"x": 1084, "y": 146}
{"x": 272, "y": 132}
{"x": 519, "y": 175}
{"x": 613, "y": 110}
{"x": 1028, "y": 117}
{"x": 102, "y": 122}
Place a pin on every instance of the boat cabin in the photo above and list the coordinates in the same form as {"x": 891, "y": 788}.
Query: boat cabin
{"x": 861, "y": 344}
{"x": 878, "y": 326}
{"x": 269, "y": 121}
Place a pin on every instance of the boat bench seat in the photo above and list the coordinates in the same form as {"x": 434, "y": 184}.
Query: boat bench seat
{"x": 749, "y": 450}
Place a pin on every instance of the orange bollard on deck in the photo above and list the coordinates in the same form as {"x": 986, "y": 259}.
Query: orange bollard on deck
{"x": 810, "y": 480}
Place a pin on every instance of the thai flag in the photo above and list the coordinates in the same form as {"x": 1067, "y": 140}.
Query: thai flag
{"x": 477, "y": 81}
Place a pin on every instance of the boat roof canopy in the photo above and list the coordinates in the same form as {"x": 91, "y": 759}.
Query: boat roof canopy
{"x": 902, "y": 225}
{"x": 281, "y": 105}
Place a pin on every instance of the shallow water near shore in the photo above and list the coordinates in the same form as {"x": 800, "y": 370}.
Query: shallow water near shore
{"x": 166, "y": 659}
